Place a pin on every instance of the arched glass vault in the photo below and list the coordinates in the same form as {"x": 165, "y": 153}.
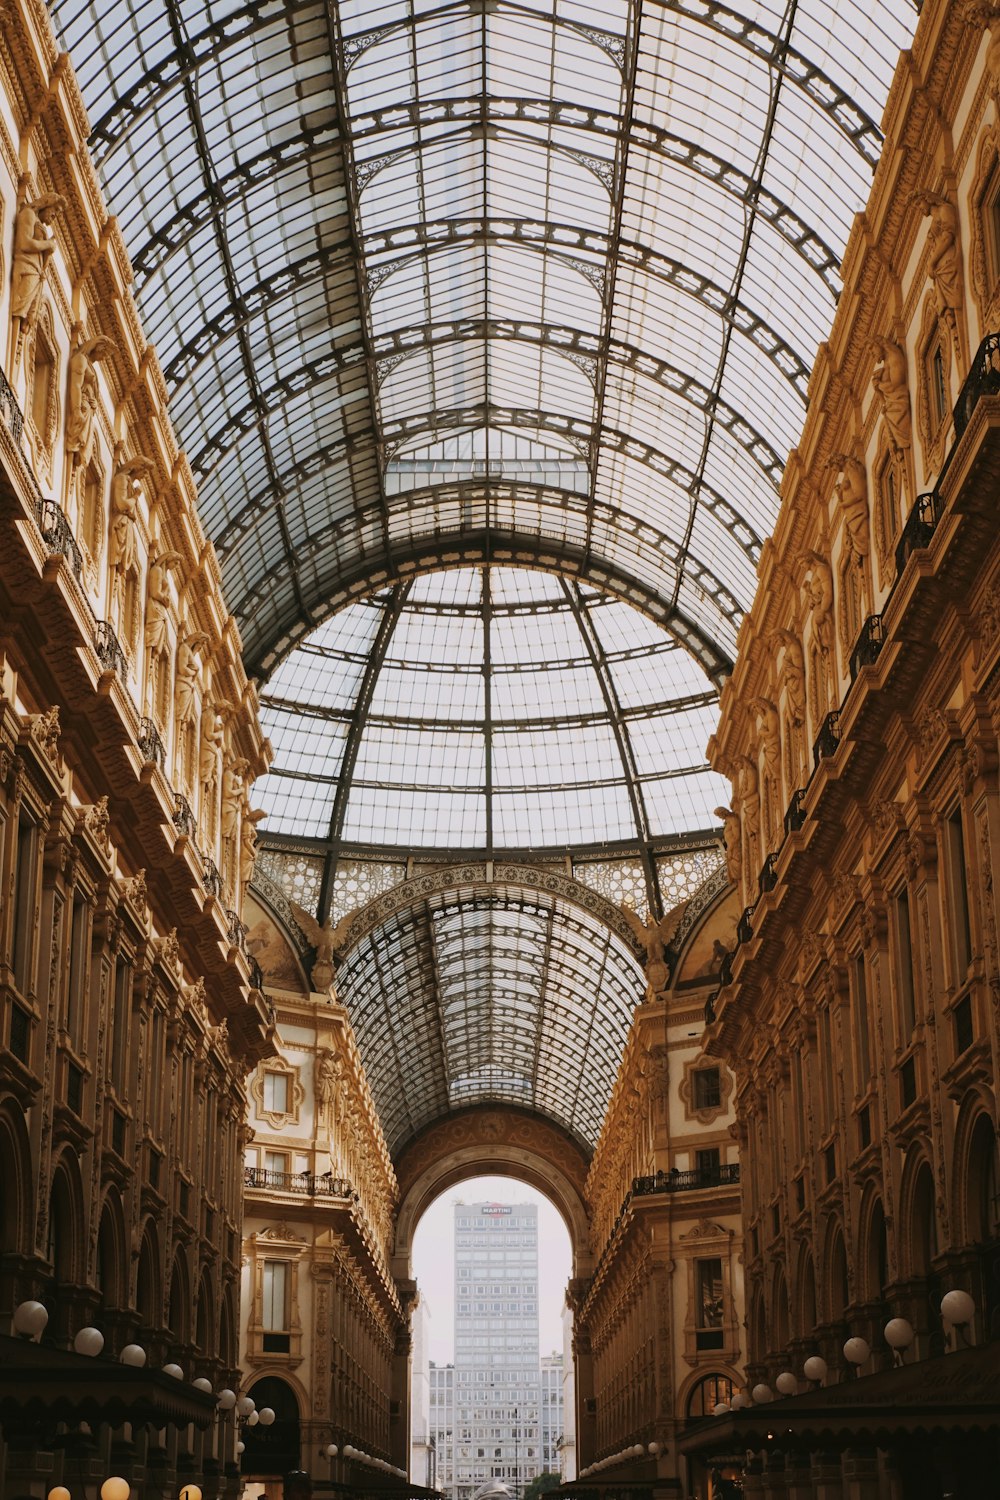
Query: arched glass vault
{"x": 490, "y": 286}
{"x": 483, "y": 272}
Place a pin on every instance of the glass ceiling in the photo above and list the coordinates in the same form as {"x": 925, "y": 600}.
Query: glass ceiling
{"x": 477, "y": 995}
{"x": 482, "y": 282}
{"x": 486, "y": 279}
{"x": 489, "y": 709}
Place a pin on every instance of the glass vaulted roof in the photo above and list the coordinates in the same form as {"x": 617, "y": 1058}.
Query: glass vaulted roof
{"x": 512, "y": 995}
{"x": 489, "y": 709}
{"x": 502, "y": 277}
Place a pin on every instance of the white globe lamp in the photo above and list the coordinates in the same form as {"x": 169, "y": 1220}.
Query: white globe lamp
{"x": 815, "y": 1367}
{"x": 134, "y": 1355}
{"x": 857, "y": 1351}
{"x": 786, "y": 1383}
{"x": 30, "y": 1319}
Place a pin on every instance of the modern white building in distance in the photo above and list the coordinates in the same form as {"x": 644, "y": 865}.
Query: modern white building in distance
{"x": 497, "y": 1413}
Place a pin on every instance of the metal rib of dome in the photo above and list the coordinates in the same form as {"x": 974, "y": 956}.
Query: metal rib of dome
{"x": 484, "y": 711}
{"x": 598, "y": 242}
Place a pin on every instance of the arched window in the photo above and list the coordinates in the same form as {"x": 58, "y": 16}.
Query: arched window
{"x": 983, "y": 1199}
{"x": 205, "y": 1332}
{"x": 836, "y": 1279}
{"x": 706, "y": 1395}
{"x": 180, "y": 1300}
{"x": 923, "y": 1224}
{"x": 110, "y": 1255}
{"x": 148, "y": 1294}
{"x": 807, "y": 1295}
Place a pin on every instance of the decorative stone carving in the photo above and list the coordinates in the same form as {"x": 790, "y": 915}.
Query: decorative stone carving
{"x": 944, "y": 265}
{"x": 188, "y": 675}
{"x": 157, "y": 627}
{"x": 168, "y": 949}
{"x": 327, "y": 1076}
{"x": 136, "y": 891}
{"x": 34, "y": 244}
{"x": 248, "y": 843}
{"x": 125, "y": 492}
{"x": 930, "y": 727}
{"x": 817, "y": 595}
{"x": 656, "y": 937}
{"x": 45, "y": 733}
{"x": 791, "y": 669}
{"x": 986, "y": 13}
{"x": 889, "y": 381}
{"x": 97, "y": 820}
{"x": 851, "y": 491}
{"x": 82, "y": 398}
{"x": 327, "y": 940}
{"x": 731, "y": 842}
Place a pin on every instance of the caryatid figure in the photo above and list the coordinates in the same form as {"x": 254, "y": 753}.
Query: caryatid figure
{"x": 34, "y": 245}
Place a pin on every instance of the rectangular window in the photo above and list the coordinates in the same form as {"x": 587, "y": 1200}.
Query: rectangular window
{"x": 24, "y": 903}
{"x": 73, "y": 1014}
{"x": 275, "y": 1315}
{"x": 959, "y": 891}
{"x": 936, "y": 385}
{"x": 862, "y": 1038}
{"x": 276, "y": 1093}
{"x": 707, "y": 1163}
{"x": 908, "y": 1082}
{"x": 119, "y": 1024}
{"x": 830, "y": 1158}
{"x": 829, "y": 1067}
{"x": 707, "y": 1088}
{"x": 904, "y": 968}
{"x": 964, "y": 1033}
{"x": 864, "y": 1127}
{"x": 708, "y": 1304}
{"x": 277, "y": 1162}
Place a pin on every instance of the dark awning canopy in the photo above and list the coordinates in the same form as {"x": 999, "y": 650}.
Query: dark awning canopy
{"x": 955, "y": 1393}
{"x": 41, "y": 1384}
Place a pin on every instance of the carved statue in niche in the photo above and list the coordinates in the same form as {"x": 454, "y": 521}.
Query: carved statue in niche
{"x": 944, "y": 260}
{"x": 656, "y": 937}
{"x": 157, "y": 632}
{"x": 817, "y": 595}
{"x": 82, "y": 397}
{"x": 791, "y": 669}
{"x": 889, "y": 380}
{"x": 188, "y": 673}
{"x": 731, "y": 838}
{"x": 34, "y": 244}
{"x": 747, "y": 802}
{"x": 126, "y": 487}
{"x": 210, "y": 756}
{"x": 769, "y": 729}
{"x": 851, "y": 491}
{"x": 327, "y": 1077}
{"x": 251, "y": 816}
{"x": 327, "y": 940}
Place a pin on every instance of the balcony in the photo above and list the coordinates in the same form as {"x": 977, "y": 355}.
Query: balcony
{"x": 308, "y": 1184}
{"x": 10, "y": 411}
{"x": 744, "y": 927}
{"x": 983, "y": 379}
{"x": 796, "y": 814}
{"x": 57, "y": 536}
{"x": 869, "y": 643}
{"x": 727, "y": 1174}
{"x": 108, "y": 648}
{"x": 828, "y": 738}
{"x": 183, "y": 817}
{"x": 151, "y": 745}
{"x": 768, "y": 877}
{"x": 919, "y": 528}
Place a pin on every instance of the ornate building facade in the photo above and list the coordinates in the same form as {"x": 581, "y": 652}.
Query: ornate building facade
{"x": 858, "y": 1011}
{"x": 130, "y": 1009}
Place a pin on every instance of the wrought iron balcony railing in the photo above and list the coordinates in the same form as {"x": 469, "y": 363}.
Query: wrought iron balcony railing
{"x": 796, "y": 814}
{"x": 744, "y": 927}
{"x": 10, "y": 410}
{"x": 211, "y": 879}
{"x": 726, "y": 969}
{"x": 768, "y": 877}
{"x": 983, "y": 379}
{"x": 314, "y": 1185}
{"x": 109, "y": 651}
{"x": 724, "y": 1175}
{"x": 918, "y": 529}
{"x": 236, "y": 931}
{"x": 183, "y": 816}
{"x": 869, "y": 643}
{"x": 256, "y": 973}
{"x": 57, "y": 535}
{"x": 828, "y": 738}
{"x": 151, "y": 744}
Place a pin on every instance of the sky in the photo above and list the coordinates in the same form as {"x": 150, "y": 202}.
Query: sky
{"x": 434, "y": 1260}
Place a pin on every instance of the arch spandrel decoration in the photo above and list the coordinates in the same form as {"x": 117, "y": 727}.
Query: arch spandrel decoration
{"x": 477, "y": 875}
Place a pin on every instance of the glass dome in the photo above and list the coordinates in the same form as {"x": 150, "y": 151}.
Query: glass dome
{"x": 489, "y": 709}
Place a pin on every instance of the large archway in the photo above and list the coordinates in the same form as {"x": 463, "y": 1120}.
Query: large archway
{"x": 503, "y": 1142}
